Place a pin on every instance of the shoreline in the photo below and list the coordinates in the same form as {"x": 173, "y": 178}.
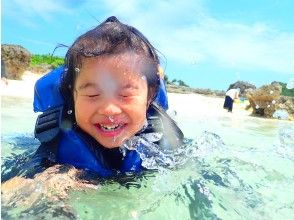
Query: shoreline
{"x": 184, "y": 103}
{"x": 210, "y": 105}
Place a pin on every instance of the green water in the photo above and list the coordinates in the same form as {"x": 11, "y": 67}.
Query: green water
{"x": 241, "y": 168}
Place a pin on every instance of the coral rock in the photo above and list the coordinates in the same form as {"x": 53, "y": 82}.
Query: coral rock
{"x": 16, "y": 59}
{"x": 264, "y": 100}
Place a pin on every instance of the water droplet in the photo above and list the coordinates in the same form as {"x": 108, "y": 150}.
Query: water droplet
{"x": 114, "y": 139}
{"x": 143, "y": 77}
{"x": 257, "y": 106}
{"x": 69, "y": 112}
{"x": 77, "y": 70}
{"x": 111, "y": 118}
{"x": 268, "y": 106}
{"x": 134, "y": 214}
{"x": 271, "y": 92}
{"x": 274, "y": 102}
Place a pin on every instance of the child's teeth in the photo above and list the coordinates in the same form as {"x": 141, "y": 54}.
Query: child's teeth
{"x": 109, "y": 127}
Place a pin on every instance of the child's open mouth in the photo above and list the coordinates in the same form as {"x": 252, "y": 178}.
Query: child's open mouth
{"x": 109, "y": 127}
{"x": 110, "y": 130}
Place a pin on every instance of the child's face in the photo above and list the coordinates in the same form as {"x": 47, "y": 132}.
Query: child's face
{"x": 111, "y": 98}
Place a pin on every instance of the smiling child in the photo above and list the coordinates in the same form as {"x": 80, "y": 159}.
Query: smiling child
{"x": 102, "y": 99}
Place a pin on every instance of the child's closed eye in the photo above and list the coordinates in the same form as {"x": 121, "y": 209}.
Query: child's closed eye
{"x": 90, "y": 96}
{"x": 127, "y": 97}
{"x": 124, "y": 95}
{"x": 127, "y": 93}
{"x": 93, "y": 96}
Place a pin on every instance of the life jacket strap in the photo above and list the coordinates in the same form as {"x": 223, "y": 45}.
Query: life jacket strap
{"x": 168, "y": 126}
{"x": 48, "y": 125}
{"x": 154, "y": 125}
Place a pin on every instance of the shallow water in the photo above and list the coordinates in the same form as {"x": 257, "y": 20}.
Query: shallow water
{"x": 229, "y": 168}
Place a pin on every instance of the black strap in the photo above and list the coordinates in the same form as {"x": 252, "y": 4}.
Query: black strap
{"x": 48, "y": 125}
{"x": 160, "y": 121}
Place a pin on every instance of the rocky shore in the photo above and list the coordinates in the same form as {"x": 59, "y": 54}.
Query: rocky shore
{"x": 187, "y": 90}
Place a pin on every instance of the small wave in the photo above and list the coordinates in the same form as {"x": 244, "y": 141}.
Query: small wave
{"x": 20, "y": 141}
{"x": 285, "y": 148}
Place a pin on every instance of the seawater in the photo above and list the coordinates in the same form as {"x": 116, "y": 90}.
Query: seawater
{"x": 229, "y": 168}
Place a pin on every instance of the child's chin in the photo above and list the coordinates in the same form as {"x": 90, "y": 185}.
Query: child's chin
{"x": 110, "y": 145}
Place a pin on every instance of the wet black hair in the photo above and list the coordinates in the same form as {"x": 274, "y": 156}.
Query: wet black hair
{"x": 109, "y": 38}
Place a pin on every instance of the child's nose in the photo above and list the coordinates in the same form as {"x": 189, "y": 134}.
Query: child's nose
{"x": 109, "y": 108}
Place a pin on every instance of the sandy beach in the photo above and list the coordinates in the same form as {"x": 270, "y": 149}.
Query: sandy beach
{"x": 183, "y": 104}
{"x": 20, "y": 88}
{"x": 191, "y": 105}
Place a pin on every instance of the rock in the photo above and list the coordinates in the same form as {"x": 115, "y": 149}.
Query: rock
{"x": 268, "y": 102}
{"x": 185, "y": 90}
{"x": 287, "y": 103}
{"x": 261, "y": 100}
{"x": 41, "y": 68}
{"x": 3, "y": 70}
{"x": 24, "y": 196}
{"x": 16, "y": 58}
{"x": 243, "y": 86}
{"x": 264, "y": 101}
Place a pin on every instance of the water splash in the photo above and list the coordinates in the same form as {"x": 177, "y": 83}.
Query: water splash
{"x": 156, "y": 157}
{"x": 151, "y": 154}
{"x": 286, "y": 136}
{"x": 205, "y": 191}
{"x": 286, "y": 145}
{"x": 281, "y": 114}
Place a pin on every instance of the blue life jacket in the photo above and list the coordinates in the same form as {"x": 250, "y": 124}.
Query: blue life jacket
{"x": 73, "y": 147}
{"x": 161, "y": 97}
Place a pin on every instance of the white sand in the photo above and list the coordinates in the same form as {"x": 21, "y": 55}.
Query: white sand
{"x": 185, "y": 104}
{"x": 191, "y": 105}
{"x": 20, "y": 88}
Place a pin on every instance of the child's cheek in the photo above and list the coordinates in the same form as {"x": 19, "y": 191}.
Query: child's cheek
{"x": 83, "y": 110}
